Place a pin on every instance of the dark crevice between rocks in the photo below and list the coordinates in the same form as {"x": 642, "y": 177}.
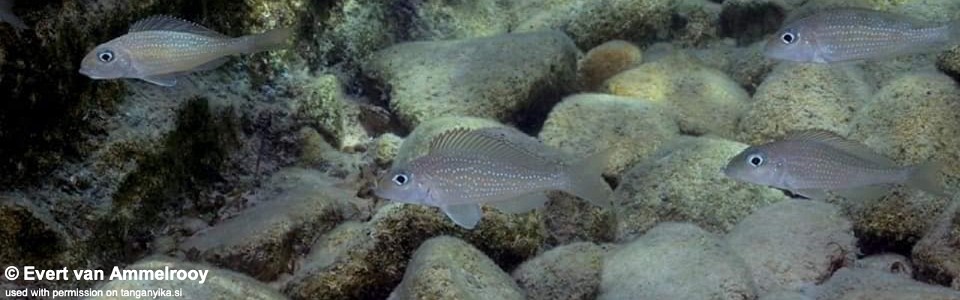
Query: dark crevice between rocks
{"x": 871, "y": 244}
{"x": 750, "y": 22}
{"x": 167, "y": 183}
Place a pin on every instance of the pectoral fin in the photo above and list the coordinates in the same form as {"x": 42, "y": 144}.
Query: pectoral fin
{"x": 162, "y": 80}
{"x": 466, "y": 215}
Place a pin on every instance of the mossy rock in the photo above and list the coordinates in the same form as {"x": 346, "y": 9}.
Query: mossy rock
{"x": 684, "y": 183}
{"x": 218, "y": 285}
{"x": 29, "y": 235}
{"x": 591, "y": 23}
{"x": 565, "y": 272}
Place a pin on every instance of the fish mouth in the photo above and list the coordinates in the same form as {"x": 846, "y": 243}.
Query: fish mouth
{"x": 89, "y": 73}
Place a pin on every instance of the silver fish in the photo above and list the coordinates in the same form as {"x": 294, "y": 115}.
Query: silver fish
{"x": 6, "y": 15}
{"x": 158, "y": 49}
{"x": 811, "y": 163}
{"x": 501, "y": 167}
{"x": 858, "y": 34}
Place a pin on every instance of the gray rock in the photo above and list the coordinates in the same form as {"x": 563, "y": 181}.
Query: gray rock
{"x": 566, "y": 272}
{"x": 448, "y": 268}
{"x": 583, "y": 124}
{"x": 670, "y": 262}
{"x": 570, "y": 219}
{"x": 792, "y": 244}
{"x": 888, "y": 262}
{"x": 218, "y": 285}
{"x": 685, "y": 183}
{"x": 591, "y": 23}
{"x": 366, "y": 260}
{"x": 263, "y": 240}
{"x": 491, "y": 77}
{"x": 870, "y": 284}
{"x": 29, "y": 235}
{"x": 937, "y": 255}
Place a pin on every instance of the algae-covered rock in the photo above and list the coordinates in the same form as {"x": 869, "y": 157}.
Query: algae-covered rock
{"x": 386, "y": 147}
{"x": 913, "y": 119}
{"x": 937, "y": 255}
{"x": 591, "y": 23}
{"x": 417, "y": 143}
{"x": 301, "y": 205}
{"x": 586, "y": 123}
{"x": 670, "y": 262}
{"x": 571, "y": 219}
{"x": 448, "y": 268}
{"x": 493, "y": 77}
{"x": 804, "y": 96}
{"x": 323, "y": 105}
{"x": 606, "y": 60}
{"x": 566, "y": 272}
{"x": 704, "y": 100}
{"x": 29, "y": 236}
{"x": 452, "y": 19}
{"x": 366, "y": 260}
{"x": 785, "y": 295}
{"x": 685, "y": 183}
{"x": 218, "y": 285}
{"x": 870, "y": 284}
{"x": 792, "y": 244}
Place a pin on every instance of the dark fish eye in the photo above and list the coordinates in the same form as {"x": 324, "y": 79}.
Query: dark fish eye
{"x": 105, "y": 56}
{"x": 788, "y": 38}
{"x": 755, "y": 160}
{"x": 400, "y": 179}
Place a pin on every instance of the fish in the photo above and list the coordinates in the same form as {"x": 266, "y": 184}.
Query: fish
{"x": 6, "y": 15}
{"x": 159, "y": 49}
{"x": 502, "y": 167}
{"x": 858, "y": 34}
{"x": 811, "y": 163}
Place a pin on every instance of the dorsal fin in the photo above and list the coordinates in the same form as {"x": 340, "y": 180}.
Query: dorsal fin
{"x": 168, "y": 23}
{"x": 504, "y": 144}
{"x": 855, "y": 148}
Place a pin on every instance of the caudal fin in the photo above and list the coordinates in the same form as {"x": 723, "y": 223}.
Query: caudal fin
{"x": 270, "y": 40}
{"x": 926, "y": 177}
{"x": 586, "y": 179}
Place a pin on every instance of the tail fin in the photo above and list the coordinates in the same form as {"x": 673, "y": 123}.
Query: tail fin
{"x": 270, "y": 40}
{"x": 926, "y": 177}
{"x": 586, "y": 179}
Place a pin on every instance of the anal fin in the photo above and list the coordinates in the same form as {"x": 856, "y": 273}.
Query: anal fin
{"x": 464, "y": 215}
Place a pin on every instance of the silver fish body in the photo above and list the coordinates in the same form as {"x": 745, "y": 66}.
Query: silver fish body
{"x": 496, "y": 166}
{"x": 159, "y": 49}
{"x": 811, "y": 163}
{"x": 857, "y": 34}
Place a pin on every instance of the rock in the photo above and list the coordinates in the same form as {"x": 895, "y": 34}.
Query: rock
{"x": 448, "y": 268}
{"x": 451, "y": 19}
{"x": 264, "y": 239}
{"x": 417, "y": 143}
{"x": 591, "y": 23}
{"x": 605, "y": 61}
{"x": 785, "y": 295}
{"x": 585, "y": 123}
{"x": 694, "y": 22}
{"x": 870, "y": 284}
{"x": 29, "y": 235}
{"x": 566, "y": 272}
{"x": 792, "y": 244}
{"x": 704, "y": 100}
{"x": 315, "y": 152}
{"x": 570, "y": 219}
{"x": 804, "y": 96}
{"x": 386, "y": 147}
{"x": 752, "y": 20}
{"x": 937, "y": 255}
{"x": 366, "y": 260}
{"x": 669, "y": 263}
{"x": 493, "y": 77}
{"x": 911, "y": 120}
{"x": 745, "y": 65}
{"x": 685, "y": 183}
{"x": 888, "y": 262}
{"x": 323, "y": 105}
{"x": 219, "y": 284}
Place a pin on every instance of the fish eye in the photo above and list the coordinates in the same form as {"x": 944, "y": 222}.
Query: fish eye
{"x": 400, "y": 179}
{"x": 105, "y": 56}
{"x": 755, "y": 160}
{"x": 788, "y": 37}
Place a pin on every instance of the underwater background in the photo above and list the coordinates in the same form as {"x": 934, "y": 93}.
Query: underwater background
{"x": 262, "y": 170}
